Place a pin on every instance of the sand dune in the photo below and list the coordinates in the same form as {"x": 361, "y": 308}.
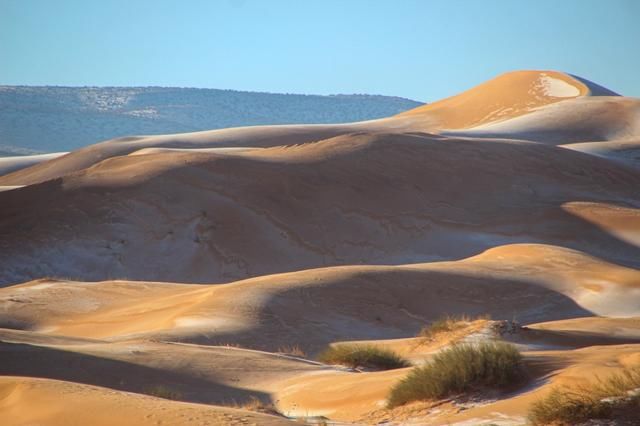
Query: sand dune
{"x": 360, "y": 198}
{"x": 12, "y": 164}
{"x": 361, "y": 397}
{"x": 299, "y": 391}
{"x": 28, "y": 401}
{"x": 603, "y": 288}
{"x": 532, "y": 283}
{"x": 506, "y": 96}
{"x": 192, "y": 373}
{"x": 378, "y": 192}
{"x": 317, "y": 307}
{"x": 584, "y": 119}
{"x": 625, "y": 151}
{"x": 213, "y": 267}
{"x": 568, "y": 368}
{"x": 256, "y": 136}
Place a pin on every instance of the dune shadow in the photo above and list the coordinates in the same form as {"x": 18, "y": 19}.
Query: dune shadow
{"x": 596, "y": 89}
{"x": 383, "y": 303}
{"x": 567, "y": 339}
{"x": 538, "y": 370}
{"x": 21, "y": 359}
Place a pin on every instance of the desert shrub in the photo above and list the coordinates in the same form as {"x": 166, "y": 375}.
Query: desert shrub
{"x": 447, "y": 324}
{"x": 461, "y": 368}
{"x": 368, "y": 356}
{"x": 230, "y": 345}
{"x": 258, "y": 406}
{"x": 566, "y": 407}
{"x": 162, "y": 391}
{"x": 293, "y": 350}
{"x": 597, "y": 400}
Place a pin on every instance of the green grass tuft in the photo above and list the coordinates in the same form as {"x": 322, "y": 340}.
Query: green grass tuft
{"x": 367, "y": 356}
{"x": 459, "y": 369}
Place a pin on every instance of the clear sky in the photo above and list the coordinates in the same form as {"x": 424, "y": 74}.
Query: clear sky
{"x": 420, "y": 49}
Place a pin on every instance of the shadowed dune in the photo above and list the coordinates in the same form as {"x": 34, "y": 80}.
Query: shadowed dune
{"x": 210, "y": 375}
{"x": 50, "y": 363}
{"x": 579, "y": 120}
{"x": 57, "y": 403}
{"x": 316, "y": 307}
{"x": 362, "y": 198}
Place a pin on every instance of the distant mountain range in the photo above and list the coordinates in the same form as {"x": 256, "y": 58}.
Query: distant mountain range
{"x": 51, "y": 118}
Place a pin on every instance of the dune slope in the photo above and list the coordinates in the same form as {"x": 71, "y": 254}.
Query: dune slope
{"x": 507, "y": 96}
{"x": 26, "y": 401}
{"x": 360, "y": 198}
{"x": 532, "y": 283}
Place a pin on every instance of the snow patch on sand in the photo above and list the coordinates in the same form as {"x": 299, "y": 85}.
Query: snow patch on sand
{"x": 499, "y": 419}
{"x": 10, "y": 187}
{"x": 556, "y": 88}
{"x": 204, "y": 322}
{"x": 36, "y": 287}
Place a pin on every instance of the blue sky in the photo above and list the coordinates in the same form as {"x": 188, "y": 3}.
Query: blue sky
{"x": 420, "y": 49}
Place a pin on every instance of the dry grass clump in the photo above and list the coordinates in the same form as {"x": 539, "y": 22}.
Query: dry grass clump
{"x": 230, "y": 345}
{"x": 256, "y": 405}
{"x": 293, "y": 350}
{"x": 448, "y": 323}
{"x": 162, "y": 391}
{"x": 459, "y": 369}
{"x": 366, "y": 356}
{"x": 598, "y": 400}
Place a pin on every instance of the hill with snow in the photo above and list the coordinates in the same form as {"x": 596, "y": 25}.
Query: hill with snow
{"x": 48, "y": 119}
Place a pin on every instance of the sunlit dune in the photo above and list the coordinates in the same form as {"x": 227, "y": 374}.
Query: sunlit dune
{"x": 351, "y": 397}
{"x": 507, "y": 96}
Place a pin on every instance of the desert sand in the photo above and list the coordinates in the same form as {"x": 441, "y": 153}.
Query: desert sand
{"x": 195, "y": 278}
{"x": 15, "y": 163}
